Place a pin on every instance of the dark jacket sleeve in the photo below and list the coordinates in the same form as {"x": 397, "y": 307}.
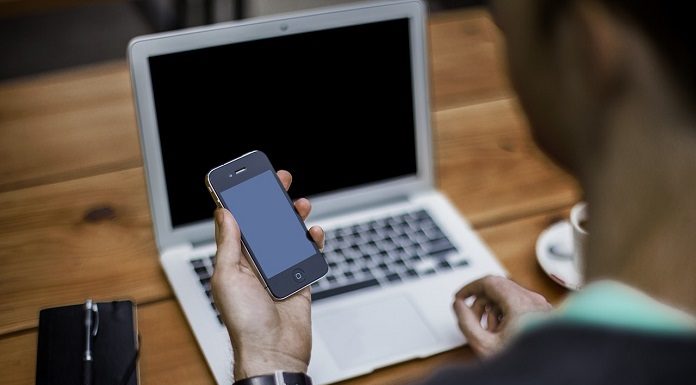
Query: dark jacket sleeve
{"x": 580, "y": 355}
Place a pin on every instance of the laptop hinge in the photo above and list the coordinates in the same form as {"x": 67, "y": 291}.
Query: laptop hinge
{"x": 361, "y": 207}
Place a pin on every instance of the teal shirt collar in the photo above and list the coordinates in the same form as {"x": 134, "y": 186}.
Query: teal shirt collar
{"x": 614, "y": 304}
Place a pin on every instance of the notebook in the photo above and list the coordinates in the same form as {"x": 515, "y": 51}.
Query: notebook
{"x": 340, "y": 98}
{"x": 60, "y": 356}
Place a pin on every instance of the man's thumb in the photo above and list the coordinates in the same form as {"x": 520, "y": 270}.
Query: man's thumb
{"x": 228, "y": 238}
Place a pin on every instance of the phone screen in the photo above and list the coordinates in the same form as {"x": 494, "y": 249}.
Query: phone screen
{"x": 270, "y": 226}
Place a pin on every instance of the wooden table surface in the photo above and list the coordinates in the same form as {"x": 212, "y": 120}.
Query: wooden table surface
{"x": 75, "y": 221}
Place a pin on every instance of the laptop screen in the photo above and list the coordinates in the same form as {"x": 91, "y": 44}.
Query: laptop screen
{"x": 334, "y": 107}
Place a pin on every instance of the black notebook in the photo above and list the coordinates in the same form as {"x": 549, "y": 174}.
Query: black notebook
{"x": 61, "y": 346}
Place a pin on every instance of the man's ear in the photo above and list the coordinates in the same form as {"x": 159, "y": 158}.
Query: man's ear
{"x": 601, "y": 37}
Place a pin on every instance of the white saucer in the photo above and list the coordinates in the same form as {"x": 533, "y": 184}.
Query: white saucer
{"x": 554, "y": 250}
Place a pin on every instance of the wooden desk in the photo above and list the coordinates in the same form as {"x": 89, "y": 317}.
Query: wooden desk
{"x": 75, "y": 223}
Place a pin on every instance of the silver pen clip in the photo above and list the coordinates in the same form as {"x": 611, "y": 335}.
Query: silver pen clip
{"x": 91, "y": 326}
{"x": 95, "y": 320}
{"x": 88, "y": 330}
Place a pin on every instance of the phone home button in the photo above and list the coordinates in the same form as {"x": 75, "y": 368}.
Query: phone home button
{"x": 298, "y": 275}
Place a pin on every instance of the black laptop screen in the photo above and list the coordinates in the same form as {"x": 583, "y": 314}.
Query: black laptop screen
{"x": 334, "y": 107}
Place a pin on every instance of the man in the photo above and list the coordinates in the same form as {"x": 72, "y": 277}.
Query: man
{"x": 609, "y": 89}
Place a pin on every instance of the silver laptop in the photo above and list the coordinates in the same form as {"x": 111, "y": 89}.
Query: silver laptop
{"x": 339, "y": 97}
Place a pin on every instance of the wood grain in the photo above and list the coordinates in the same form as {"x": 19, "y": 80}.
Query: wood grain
{"x": 466, "y": 59}
{"x": 491, "y": 169}
{"x": 170, "y": 354}
{"x": 18, "y": 358}
{"x": 67, "y": 125}
{"x": 61, "y": 243}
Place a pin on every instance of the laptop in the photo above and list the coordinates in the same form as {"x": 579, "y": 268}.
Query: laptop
{"x": 339, "y": 97}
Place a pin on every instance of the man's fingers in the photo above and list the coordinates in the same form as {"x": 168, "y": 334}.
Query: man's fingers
{"x": 492, "y": 287}
{"x": 494, "y": 316}
{"x": 303, "y": 207}
{"x": 481, "y": 341}
{"x": 317, "y": 234}
{"x": 469, "y": 324}
{"x": 479, "y": 307}
{"x": 285, "y": 178}
{"x": 228, "y": 239}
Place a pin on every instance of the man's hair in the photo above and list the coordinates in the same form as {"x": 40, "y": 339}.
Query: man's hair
{"x": 668, "y": 24}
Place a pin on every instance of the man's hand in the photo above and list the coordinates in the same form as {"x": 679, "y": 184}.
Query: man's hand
{"x": 501, "y": 302}
{"x": 266, "y": 335}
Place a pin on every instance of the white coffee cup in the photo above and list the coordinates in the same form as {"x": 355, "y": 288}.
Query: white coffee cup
{"x": 578, "y": 219}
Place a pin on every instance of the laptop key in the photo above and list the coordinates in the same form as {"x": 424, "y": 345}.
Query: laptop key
{"x": 393, "y": 277}
{"x": 344, "y": 289}
{"x": 202, "y": 271}
{"x": 461, "y": 263}
{"x": 439, "y": 246}
{"x": 424, "y": 265}
{"x": 197, "y": 263}
{"x": 443, "y": 254}
{"x": 421, "y": 214}
{"x": 434, "y": 234}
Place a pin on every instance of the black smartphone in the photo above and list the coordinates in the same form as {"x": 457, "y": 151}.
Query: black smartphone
{"x": 273, "y": 233}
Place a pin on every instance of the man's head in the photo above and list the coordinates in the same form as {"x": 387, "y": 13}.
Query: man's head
{"x": 573, "y": 62}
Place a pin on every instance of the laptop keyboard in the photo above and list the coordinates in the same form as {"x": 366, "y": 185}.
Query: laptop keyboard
{"x": 385, "y": 251}
{"x": 204, "y": 269}
{"x": 379, "y": 252}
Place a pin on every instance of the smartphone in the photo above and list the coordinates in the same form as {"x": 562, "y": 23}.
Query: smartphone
{"x": 273, "y": 233}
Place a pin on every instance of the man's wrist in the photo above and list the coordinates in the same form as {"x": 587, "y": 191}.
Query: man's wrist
{"x": 250, "y": 364}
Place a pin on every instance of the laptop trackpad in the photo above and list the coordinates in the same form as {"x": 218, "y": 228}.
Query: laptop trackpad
{"x": 374, "y": 331}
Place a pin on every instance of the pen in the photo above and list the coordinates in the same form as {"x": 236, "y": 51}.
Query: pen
{"x": 87, "y": 359}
